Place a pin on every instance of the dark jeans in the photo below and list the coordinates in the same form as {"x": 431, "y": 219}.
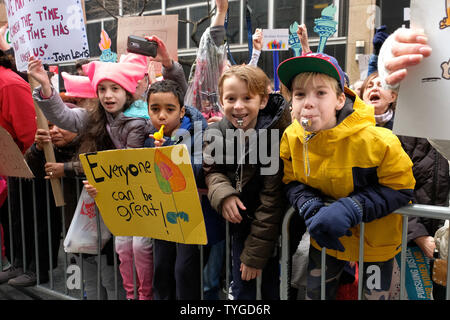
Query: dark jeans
{"x": 246, "y": 290}
{"x": 177, "y": 271}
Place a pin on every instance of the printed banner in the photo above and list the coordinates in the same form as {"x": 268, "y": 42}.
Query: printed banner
{"x": 12, "y": 162}
{"x": 148, "y": 192}
{"x": 422, "y": 107}
{"x": 51, "y": 30}
{"x": 417, "y": 274}
{"x": 275, "y": 40}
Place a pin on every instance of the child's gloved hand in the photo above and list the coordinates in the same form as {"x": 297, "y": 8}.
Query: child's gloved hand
{"x": 325, "y": 240}
{"x": 310, "y": 208}
{"x": 335, "y": 220}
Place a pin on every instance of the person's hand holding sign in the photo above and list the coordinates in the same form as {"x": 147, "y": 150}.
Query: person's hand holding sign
{"x": 37, "y": 71}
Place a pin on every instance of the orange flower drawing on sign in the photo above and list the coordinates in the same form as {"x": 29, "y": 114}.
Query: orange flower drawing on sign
{"x": 170, "y": 179}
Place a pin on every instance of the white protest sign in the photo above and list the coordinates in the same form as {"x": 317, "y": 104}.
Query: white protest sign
{"x": 51, "y": 30}
{"x": 275, "y": 40}
{"x": 423, "y": 105}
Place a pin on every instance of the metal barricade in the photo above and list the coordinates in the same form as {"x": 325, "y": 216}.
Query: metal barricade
{"x": 64, "y": 284}
{"x": 426, "y": 211}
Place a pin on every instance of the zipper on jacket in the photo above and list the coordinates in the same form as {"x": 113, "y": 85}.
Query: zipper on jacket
{"x": 240, "y": 168}
{"x": 306, "y": 167}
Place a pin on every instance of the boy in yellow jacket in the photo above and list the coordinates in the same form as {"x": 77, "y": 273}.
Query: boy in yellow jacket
{"x": 334, "y": 152}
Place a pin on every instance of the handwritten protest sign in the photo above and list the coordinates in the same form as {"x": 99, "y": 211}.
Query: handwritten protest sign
{"x": 423, "y": 108}
{"x": 50, "y": 30}
{"x": 149, "y": 192}
{"x": 3, "y": 18}
{"x": 164, "y": 27}
{"x": 275, "y": 39}
{"x": 12, "y": 163}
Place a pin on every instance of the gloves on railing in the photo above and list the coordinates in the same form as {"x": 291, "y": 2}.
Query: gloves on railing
{"x": 334, "y": 221}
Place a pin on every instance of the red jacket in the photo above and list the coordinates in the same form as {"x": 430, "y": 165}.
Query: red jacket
{"x": 17, "y": 113}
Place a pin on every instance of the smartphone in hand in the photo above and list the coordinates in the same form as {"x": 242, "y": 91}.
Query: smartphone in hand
{"x": 142, "y": 46}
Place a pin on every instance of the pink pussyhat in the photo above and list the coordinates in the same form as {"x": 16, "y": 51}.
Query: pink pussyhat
{"x": 134, "y": 58}
{"x": 78, "y": 86}
{"x": 124, "y": 74}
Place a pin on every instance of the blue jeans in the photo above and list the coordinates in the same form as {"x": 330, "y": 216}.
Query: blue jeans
{"x": 212, "y": 271}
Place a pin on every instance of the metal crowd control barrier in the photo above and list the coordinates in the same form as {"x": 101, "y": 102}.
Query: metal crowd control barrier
{"x": 58, "y": 285}
{"x": 418, "y": 210}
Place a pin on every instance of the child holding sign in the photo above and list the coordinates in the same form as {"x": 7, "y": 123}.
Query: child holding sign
{"x": 105, "y": 127}
{"x": 177, "y": 265}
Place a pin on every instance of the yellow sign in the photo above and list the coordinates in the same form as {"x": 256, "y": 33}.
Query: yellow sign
{"x": 149, "y": 192}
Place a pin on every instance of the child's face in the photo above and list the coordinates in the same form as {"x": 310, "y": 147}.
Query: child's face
{"x": 112, "y": 96}
{"x": 380, "y": 98}
{"x": 317, "y": 101}
{"x": 239, "y": 105}
{"x": 164, "y": 109}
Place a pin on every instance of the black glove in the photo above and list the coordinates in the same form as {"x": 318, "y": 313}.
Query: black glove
{"x": 378, "y": 39}
{"x": 334, "y": 221}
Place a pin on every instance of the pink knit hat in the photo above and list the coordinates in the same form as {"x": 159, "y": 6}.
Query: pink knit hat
{"x": 78, "y": 86}
{"x": 125, "y": 74}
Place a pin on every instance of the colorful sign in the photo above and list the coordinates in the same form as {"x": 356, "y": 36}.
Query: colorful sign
{"x": 52, "y": 31}
{"x": 149, "y": 192}
{"x": 294, "y": 41}
{"x": 275, "y": 40}
{"x": 417, "y": 274}
{"x": 325, "y": 26}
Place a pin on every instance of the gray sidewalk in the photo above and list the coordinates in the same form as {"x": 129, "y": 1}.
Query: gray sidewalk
{"x": 43, "y": 291}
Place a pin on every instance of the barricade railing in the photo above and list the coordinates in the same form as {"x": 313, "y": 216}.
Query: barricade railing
{"x": 417, "y": 210}
{"x": 72, "y": 286}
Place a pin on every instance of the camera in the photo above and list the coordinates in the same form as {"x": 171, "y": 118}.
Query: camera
{"x": 142, "y": 46}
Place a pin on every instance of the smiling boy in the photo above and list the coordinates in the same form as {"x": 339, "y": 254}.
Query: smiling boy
{"x": 334, "y": 152}
{"x": 239, "y": 190}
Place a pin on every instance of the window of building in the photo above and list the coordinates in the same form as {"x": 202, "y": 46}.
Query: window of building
{"x": 392, "y": 14}
{"x": 286, "y": 12}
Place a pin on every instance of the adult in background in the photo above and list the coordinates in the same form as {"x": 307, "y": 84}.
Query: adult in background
{"x": 17, "y": 116}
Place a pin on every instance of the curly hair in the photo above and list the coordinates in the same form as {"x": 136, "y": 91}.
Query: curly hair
{"x": 7, "y": 61}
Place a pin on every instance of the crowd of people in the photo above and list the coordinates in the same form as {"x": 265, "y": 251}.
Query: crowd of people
{"x": 333, "y": 158}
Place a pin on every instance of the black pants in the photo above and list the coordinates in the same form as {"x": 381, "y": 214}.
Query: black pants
{"x": 177, "y": 271}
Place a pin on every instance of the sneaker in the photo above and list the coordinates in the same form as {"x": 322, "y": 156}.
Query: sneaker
{"x": 12, "y": 272}
{"x": 5, "y": 264}
{"x": 24, "y": 280}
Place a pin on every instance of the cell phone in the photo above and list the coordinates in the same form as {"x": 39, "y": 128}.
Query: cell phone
{"x": 142, "y": 46}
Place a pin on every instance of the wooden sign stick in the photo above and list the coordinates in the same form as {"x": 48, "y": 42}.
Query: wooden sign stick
{"x": 48, "y": 148}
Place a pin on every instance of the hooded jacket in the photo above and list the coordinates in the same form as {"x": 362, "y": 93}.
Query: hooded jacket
{"x": 17, "y": 113}
{"x": 262, "y": 194}
{"x": 356, "y": 159}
